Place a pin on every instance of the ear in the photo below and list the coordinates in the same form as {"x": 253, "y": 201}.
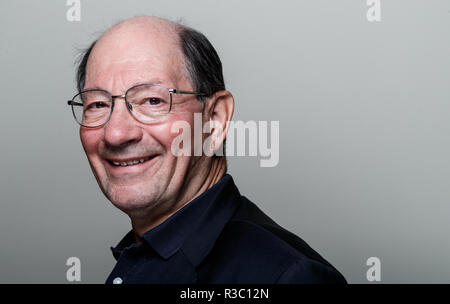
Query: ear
{"x": 219, "y": 110}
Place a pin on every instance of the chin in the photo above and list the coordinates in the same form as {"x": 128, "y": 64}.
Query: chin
{"x": 130, "y": 200}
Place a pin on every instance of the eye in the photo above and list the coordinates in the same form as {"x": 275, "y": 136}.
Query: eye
{"x": 97, "y": 105}
{"x": 153, "y": 101}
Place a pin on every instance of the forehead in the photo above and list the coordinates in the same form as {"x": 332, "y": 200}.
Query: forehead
{"x": 128, "y": 56}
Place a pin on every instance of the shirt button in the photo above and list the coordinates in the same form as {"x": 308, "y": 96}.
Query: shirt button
{"x": 117, "y": 280}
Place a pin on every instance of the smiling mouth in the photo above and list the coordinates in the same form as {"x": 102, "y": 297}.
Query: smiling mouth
{"x": 130, "y": 162}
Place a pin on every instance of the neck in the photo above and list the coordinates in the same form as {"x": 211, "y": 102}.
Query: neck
{"x": 193, "y": 186}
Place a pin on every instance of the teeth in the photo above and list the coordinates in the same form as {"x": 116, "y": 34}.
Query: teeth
{"x": 131, "y": 162}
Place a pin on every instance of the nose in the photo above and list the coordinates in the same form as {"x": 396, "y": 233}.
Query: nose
{"x": 122, "y": 128}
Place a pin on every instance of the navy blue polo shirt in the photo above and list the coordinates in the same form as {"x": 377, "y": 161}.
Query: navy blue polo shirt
{"x": 219, "y": 237}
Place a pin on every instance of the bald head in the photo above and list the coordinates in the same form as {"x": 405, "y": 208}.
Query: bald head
{"x": 149, "y": 23}
{"x": 131, "y": 44}
{"x": 128, "y": 37}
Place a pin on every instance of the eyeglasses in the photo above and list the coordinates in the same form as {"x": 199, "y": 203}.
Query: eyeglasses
{"x": 146, "y": 102}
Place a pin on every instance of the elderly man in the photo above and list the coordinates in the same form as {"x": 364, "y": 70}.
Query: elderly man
{"x": 189, "y": 222}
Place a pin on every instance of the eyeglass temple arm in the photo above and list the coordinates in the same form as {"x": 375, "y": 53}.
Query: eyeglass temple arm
{"x": 74, "y": 103}
{"x": 175, "y": 91}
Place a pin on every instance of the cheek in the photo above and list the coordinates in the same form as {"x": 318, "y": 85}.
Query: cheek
{"x": 90, "y": 139}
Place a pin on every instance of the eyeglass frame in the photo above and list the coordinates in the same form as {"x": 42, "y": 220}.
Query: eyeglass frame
{"x": 113, "y": 97}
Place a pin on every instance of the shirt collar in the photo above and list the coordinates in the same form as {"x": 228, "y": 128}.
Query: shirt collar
{"x": 195, "y": 227}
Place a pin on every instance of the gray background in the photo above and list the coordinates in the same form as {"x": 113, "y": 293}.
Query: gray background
{"x": 364, "y": 131}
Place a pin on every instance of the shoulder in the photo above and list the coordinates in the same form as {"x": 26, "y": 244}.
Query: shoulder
{"x": 258, "y": 250}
